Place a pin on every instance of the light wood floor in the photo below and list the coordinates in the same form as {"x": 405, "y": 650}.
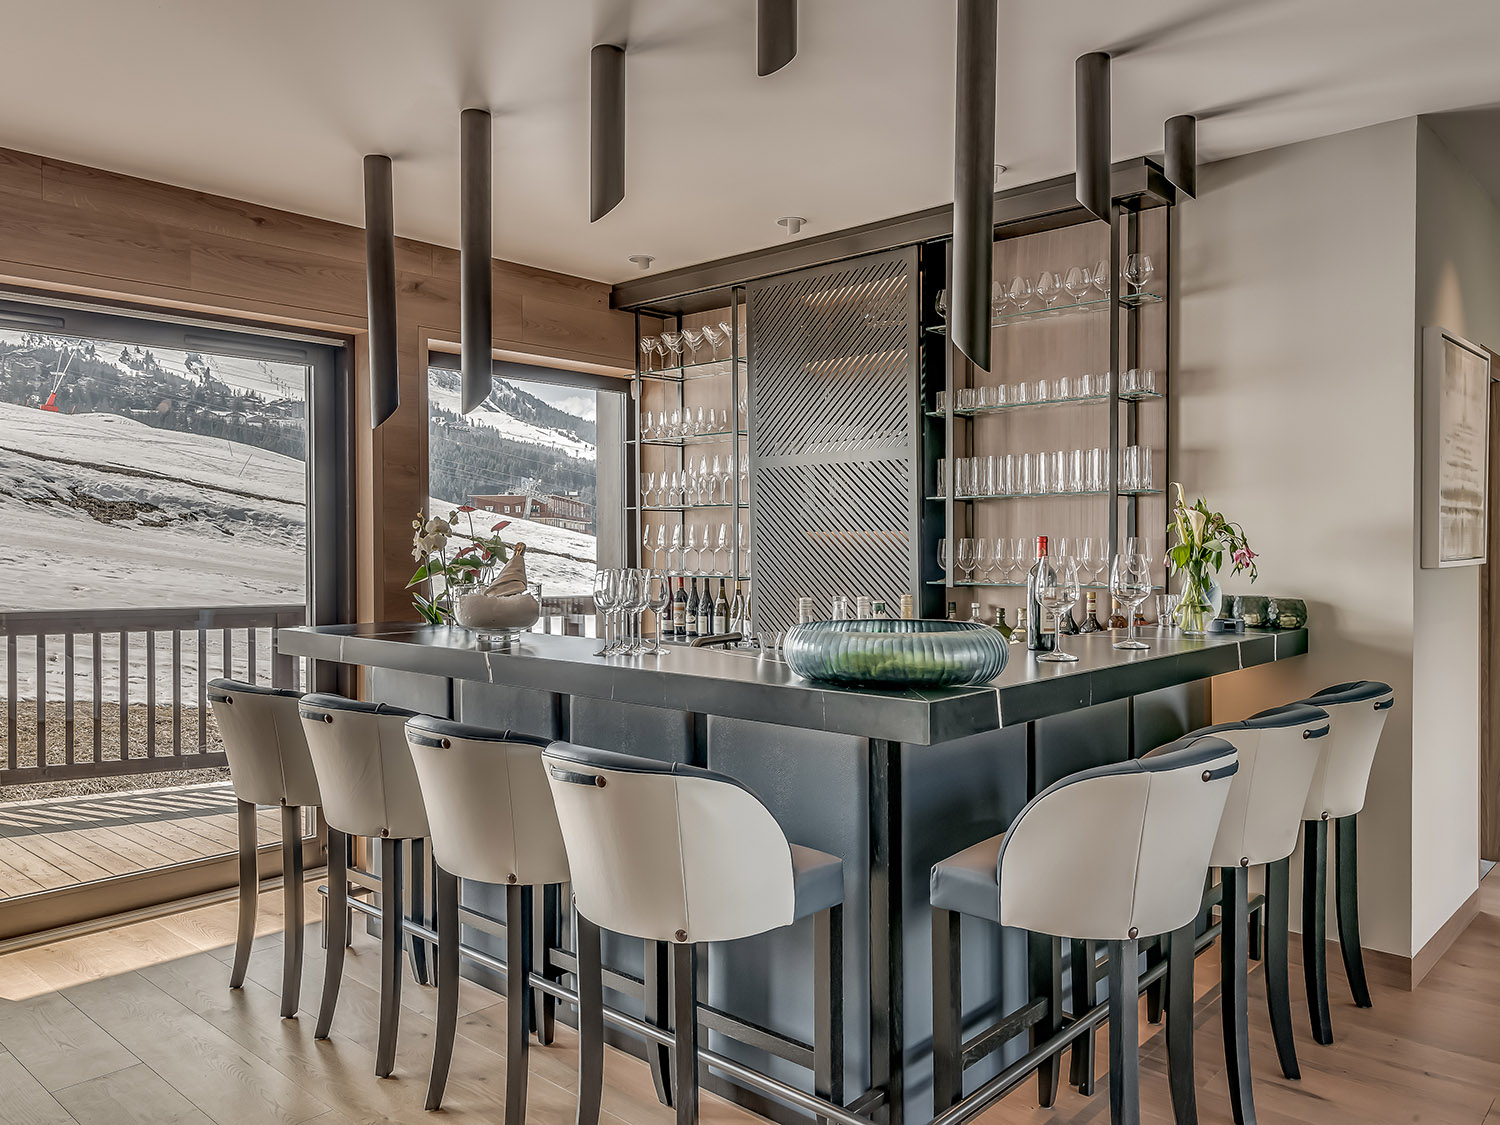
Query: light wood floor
{"x": 60, "y": 842}
{"x": 137, "y": 1024}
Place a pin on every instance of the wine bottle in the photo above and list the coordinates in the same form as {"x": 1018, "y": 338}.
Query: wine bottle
{"x": 692, "y": 610}
{"x": 721, "y": 611}
{"x": 679, "y": 611}
{"x": 1116, "y": 615}
{"x": 1091, "y": 616}
{"x": 1001, "y": 626}
{"x": 707, "y": 610}
{"x": 737, "y": 620}
{"x": 1037, "y": 638}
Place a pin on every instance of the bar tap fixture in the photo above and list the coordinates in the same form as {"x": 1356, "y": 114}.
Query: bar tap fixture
{"x": 380, "y": 286}
{"x": 1180, "y": 153}
{"x": 974, "y": 180}
{"x": 606, "y": 129}
{"x": 474, "y": 259}
{"x": 1091, "y": 140}
{"x": 775, "y": 35}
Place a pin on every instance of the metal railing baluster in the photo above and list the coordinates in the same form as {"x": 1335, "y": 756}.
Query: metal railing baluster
{"x": 150, "y": 693}
{"x": 98, "y": 697}
{"x": 68, "y": 698}
{"x": 252, "y": 642}
{"x": 176, "y": 693}
{"x": 202, "y": 688}
{"x": 124, "y": 696}
{"x": 41, "y": 699}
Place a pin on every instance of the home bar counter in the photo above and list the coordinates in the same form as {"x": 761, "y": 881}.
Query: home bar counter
{"x": 890, "y": 781}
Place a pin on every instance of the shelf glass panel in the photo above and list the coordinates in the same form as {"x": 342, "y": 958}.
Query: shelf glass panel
{"x": 686, "y": 507}
{"x": 694, "y": 439}
{"x": 1129, "y": 301}
{"x": 703, "y": 369}
{"x": 1015, "y": 585}
{"x": 1049, "y": 495}
{"x": 973, "y": 411}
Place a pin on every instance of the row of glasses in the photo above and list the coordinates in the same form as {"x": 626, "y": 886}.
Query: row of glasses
{"x": 685, "y": 548}
{"x": 667, "y": 351}
{"x": 701, "y": 486}
{"x": 1058, "y": 471}
{"x": 1007, "y": 559}
{"x": 1135, "y": 468}
{"x": 622, "y": 595}
{"x": 684, "y": 423}
{"x": 1078, "y": 283}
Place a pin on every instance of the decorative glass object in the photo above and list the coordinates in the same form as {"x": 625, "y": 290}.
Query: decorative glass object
{"x": 1253, "y": 609}
{"x": 1286, "y": 613}
{"x": 896, "y": 654}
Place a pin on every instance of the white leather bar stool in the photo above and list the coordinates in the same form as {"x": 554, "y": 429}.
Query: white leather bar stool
{"x": 490, "y": 807}
{"x": 1111, "y": 854}
{"x": 363, "y": 763}
{"x": 268, "y": 765}
{"x": 1279, "y": 751}
{"x": 673, "y": 853}
{"x": 1358, "y": 712}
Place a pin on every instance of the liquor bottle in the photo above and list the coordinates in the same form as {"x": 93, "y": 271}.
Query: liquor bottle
{"x": 1001, "y": 627}
{"x": 1116, "y": 615}
{"x": 1091, "y": 616}
{"x": 908, "y": 607}
{"x": 679, "y": 611}
{"x": 1018, "y": 634}
{"x": 976, "y": 613}
{"x": 952, "y": 611}
{"x": 1069, "y": 625}
{"x": 1140, "y": 618}
{"x": 737, "y": 611}
{"x": 879, "y": 611}
{"x": 1038, "y": 639}
{"x": 721, "y": 611}
{"x": 692, "y": 610}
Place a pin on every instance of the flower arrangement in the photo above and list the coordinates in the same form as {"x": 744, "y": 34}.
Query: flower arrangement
{"x": 1204, "y": 539}
{"x": 448, "y": 575}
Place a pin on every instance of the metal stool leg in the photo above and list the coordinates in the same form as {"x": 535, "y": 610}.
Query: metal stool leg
{"x": 417, "y": 883}
{"x": 1180, "y": 949}
{"x": 446, "y": 889}
{"x": 337, "y": 936}
{"x": 828, "y": 1006}
{"x": 1124, "y": 1032}
{"x": 1315, "y": 928}
{"x": 1044, "y": 968}
{"x": 1234, "y": 973}
{"x": 249, "y": 888}
{"x": 1278, "y": 938}
{"x": 548, "y": 936}
{"x": 1156, "y": 990}
{"x": 1346, "y": 846}
{"x": 947, "y": 1010}
{"x": 685, "y": 1032}
{"x": 391, "y": 934}
{"x": 517, "y": 999}
{"x": 657, "y": 976}
{"x": 1085, "y": 996}
{"x": 291, "y": 897}
{"x": 590, "y": 1020}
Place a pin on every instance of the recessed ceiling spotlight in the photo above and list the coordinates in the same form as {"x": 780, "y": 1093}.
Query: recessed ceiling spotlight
{"x": 792, "y": 224}
{"x": 1000, "y": 170}
{"x": 642, "y": 261}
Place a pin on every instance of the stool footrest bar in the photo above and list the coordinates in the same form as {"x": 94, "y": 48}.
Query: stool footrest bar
{"x": 1002, "y": 1031}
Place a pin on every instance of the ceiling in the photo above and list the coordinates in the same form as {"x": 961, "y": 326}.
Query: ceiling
{"x": 275, "y": 101}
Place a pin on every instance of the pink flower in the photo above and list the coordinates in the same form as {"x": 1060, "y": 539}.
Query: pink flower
{"x": 1242, "y": 558}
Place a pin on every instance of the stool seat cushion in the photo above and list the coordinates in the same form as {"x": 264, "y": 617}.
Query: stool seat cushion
{"x": 817, "y": 880}
{"x": 969, "y": 882}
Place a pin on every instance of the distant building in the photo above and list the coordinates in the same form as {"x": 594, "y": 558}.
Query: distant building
{"x": 555, "y": 511}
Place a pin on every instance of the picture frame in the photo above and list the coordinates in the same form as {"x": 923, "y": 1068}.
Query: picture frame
{"x": 1456, "y": 378}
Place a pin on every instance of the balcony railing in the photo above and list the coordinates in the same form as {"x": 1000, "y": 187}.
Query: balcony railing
{"x": 132, "y": 686}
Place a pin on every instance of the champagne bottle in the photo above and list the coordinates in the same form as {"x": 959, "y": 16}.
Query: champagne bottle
{"x": 692, "y": 610}
{"x": 737, "y": 611}
{"x": 1037, "y": 639}
{"x": 1116, "y": 615}
{"x": 1001, "y": 626}
{"x": 679, "y": 611}
{"x": 1091, "y": 616}
{"x": 721, "y": 610}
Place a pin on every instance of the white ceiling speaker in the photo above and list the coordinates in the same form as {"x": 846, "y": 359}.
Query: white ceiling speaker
{"x": 792, "y": 224}
{"x": 642, "y": 261}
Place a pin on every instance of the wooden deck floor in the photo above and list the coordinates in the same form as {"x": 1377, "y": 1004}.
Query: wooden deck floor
{"x": 64, "y": 841}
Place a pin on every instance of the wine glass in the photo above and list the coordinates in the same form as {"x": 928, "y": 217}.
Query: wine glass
{"x": 744, "y": 550}
{"x": 676, "y": 549}
{"x": 719, "y": 481}
{"x": 661, "y": 545}
{"x": 659, "y": 598}
{"x": 691, "y": 548}
{"x": 967, "y": 559}
{"x": 1138, "y": 270}
{"x": 632, "y": 604}
{"x": 1057, "y": 591}
{"x": 1077, "y": 283}
{"x": 1005, "y": 558}
{"x": 648, "y": 487}
{"x": 987, "y": 560}
{"x": 944, "y": 563}
{"x": 673, "y": 343}
{"x": 722, "y": 548}
{"x": 1048, "y": 287}
{"x": 1130, "y": 582}
{"x": 646, "y": 545}
{"x": 1020, "y": 292}
{"x": 715, "y": 338}
{"x": 1100, "y": 277}
{"x": 648, "y": 349}
{"x": 604, "y": 602}
{"x": 693, "y": 338}
{"x": 705, "y": 482}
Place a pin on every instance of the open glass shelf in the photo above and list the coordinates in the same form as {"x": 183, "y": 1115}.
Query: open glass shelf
{"x": 686, "y": 507}
{"x": 702, "y": 369}
{"x": 694, "y": 439}
{"x": 1049, "y": 495}
{"x": 1015, "y": 585}
{"x": 1128, "y": 300}
{"x": 975, "y": 411}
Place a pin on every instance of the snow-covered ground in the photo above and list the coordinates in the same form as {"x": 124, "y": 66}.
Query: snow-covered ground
{"x": 511, "y": 427}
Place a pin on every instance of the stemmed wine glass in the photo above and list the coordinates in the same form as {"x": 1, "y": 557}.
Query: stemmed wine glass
{"x": 943, "y": 559}
{"x": 1020, "y": 293}
{"x": 1130, "y": 582}
{"x": 648, "y": 349}
{"x": 1077, "y": 283}
{"x": 693, "y": 338}
{"x": 646, "y": 545}
{"x": 1057, "y": 591}
{"x": 1004, "y": 558}
{"x": 638, "y": 585}
{"x": 966, "y": 558}
{"x": 1048, "y": 287}
{"x": 1100, "y": 277}
{"x": 1138, "y": 270}
{"x": 673, "y": 343}
{"x": 661, "y": 546}
{"x": 605, "y": 597}
{"x": 744, "y": 550}
{"x": 715, "y": 338}
{"x": 676, "y": 549}
{"x": 987, "y": 560}
{"x": 692, "y": 548}
{"x": 722, "y": 548}
{"x": 659, "y": 598}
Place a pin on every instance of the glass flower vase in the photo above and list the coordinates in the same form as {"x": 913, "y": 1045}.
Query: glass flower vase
{"x": 1194, "y": 610}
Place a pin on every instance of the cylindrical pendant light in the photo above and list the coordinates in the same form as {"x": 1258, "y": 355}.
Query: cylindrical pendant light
{"x": 380, "y": 287}
{"x": 474, "y": 259}
{"x": 606, "y": 129}
{"x": 1180, "y": 153}
{"x": 775, "y": 35}
{"x": 1091, "y": 132}
{"x": 974, "y": 181}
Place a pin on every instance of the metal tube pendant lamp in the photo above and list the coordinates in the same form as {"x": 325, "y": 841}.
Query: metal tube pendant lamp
{"x": 775, "y": 35}
{"x": 380, "y": 288}
{"x": 1091, "y": 139}
{"x": 974, "y": 180}
{"x": 1180, "y": 153}
{"x": 474, "y": 259}
{"x": 606, "y": 129}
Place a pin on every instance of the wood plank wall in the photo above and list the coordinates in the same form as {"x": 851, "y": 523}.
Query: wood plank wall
{"x": 85, "y": 231}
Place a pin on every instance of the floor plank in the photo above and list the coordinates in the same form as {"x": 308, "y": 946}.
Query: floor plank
{"x": 25, "y": 1100}
{"x": 136, "y": 1095}
{"x": 57, "y": 1043}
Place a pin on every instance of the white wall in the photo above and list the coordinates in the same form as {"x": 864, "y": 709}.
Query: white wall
{"x": 1293, "y": 405}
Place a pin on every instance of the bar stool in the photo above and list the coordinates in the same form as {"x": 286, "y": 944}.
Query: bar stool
{"x": 268, "y": 765}
{"x": 363, "y": 763}
{"x": 1279, "y": 750}
{"x": 673, "y": 853}
{"x": 1358, "y": 711}
{"x": 493, "y": 821}
{"x": 1111, "y": 854}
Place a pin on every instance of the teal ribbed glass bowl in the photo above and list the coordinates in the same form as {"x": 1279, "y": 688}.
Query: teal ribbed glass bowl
{"x": 896, "y": 654}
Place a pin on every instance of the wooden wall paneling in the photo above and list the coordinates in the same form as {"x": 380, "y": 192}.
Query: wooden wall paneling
{"x": 20, "y": 173}
{"x": 1489, "y": 652}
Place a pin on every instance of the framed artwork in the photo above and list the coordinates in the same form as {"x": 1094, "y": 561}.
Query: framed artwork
{"x": 1455, "y": 449}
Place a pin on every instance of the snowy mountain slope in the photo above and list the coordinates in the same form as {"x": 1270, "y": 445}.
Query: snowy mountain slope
{"x": 444, "y": 393}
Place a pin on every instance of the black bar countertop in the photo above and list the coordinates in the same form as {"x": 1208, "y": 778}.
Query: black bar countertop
{"x": 749, "y": 684}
